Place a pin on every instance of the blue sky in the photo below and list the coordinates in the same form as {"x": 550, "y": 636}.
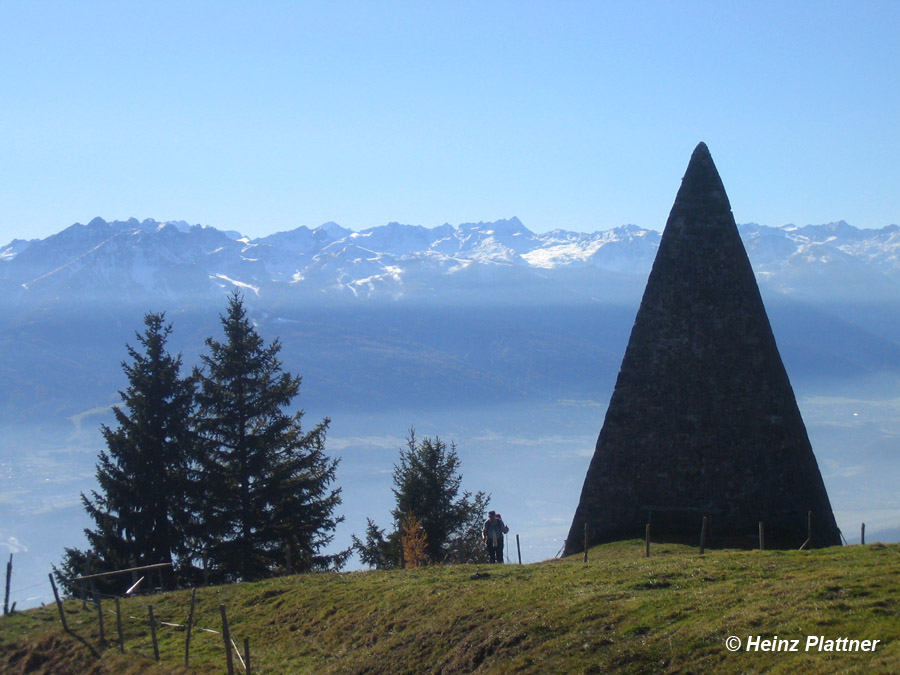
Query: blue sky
{"x": 264, "y": 116}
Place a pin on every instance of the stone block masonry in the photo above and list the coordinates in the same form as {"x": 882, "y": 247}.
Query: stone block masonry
{"x": 703, "y": 420}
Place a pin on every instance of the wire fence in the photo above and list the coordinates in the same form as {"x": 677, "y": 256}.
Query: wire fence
{"x": 129, "y": 624}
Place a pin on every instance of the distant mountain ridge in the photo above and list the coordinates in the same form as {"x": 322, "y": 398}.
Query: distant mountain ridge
{"x": 148, "y": 261}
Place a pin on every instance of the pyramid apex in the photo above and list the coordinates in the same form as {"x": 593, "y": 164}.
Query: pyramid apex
{"x": 701, "y": 194}
{"x": 701, "y": 159}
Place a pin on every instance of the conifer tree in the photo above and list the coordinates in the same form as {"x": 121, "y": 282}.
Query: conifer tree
{"x": 378, "y": 551}
{"x": 414, "y": 541}
{"x": 427, "y": 483}
{"x": 264, "y": 499}
{"x": 140, "y": 511}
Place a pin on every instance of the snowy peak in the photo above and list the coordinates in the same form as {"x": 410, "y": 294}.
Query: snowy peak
{"x": 399, "y": 239}
{"x": 503, "y": 242}
{"x": 623, "y": 249}
{"x": 14, "y": 248}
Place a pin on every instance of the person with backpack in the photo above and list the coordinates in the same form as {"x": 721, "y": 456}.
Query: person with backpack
{"x": 492, "y": 534}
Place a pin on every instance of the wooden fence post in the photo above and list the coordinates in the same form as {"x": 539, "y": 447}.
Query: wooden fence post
{"x": 247, "y": 655}
{"x": 862, "y": 539}
{"x": 519, "y": 549}
{"x": 190, "y": 623}
{"x": 585, "y": 541}
{"x": 762, "y": 536}
{"x": 62, "y": 614}
{"x": 8, "y": 577}
{"x": 86, "y": 570}
{"x": 153, "y": 632}
{"x": 226, "y": 637}
{"x": 647, "y": 541}
{"x": 703, "y": 535}
{"x": 808, "y": 541}
{"x": 100, "y": 619}
{"x": 119, "y": 627}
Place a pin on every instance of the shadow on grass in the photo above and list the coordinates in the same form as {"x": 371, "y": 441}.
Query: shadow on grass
{"x": 90, "y": 647}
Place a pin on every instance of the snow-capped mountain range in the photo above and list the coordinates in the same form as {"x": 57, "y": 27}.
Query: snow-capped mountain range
{"x": 148, "y": 260}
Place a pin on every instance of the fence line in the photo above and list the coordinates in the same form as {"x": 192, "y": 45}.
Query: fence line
{"x": 142, "y": 621}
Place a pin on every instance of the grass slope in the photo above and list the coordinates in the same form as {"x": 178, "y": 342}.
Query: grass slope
{"x": 620, "y": 612}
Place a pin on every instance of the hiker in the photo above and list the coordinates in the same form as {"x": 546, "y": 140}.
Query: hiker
{"x": 492, "y": 533}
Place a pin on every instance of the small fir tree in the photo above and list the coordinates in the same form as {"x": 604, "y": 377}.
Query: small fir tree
{"x": 427, "y": 483}
{"x": 378, "y": 551}
{"x": 264, "y": 499}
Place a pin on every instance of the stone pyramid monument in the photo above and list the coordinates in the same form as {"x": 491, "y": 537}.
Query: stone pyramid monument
{"x": 703, "y": 420}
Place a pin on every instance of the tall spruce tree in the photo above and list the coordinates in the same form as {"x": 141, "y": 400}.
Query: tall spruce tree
{"x": 140, "y": 511}
{"x": 264, "y": 500}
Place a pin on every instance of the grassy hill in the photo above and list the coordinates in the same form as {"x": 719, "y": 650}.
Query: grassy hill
{"x": 620, "y": 612}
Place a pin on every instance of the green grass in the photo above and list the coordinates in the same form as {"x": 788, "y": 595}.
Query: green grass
{"x": 620, "y": 612}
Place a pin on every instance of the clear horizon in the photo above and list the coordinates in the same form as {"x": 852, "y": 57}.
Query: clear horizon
{"x": 576, "y": 115}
